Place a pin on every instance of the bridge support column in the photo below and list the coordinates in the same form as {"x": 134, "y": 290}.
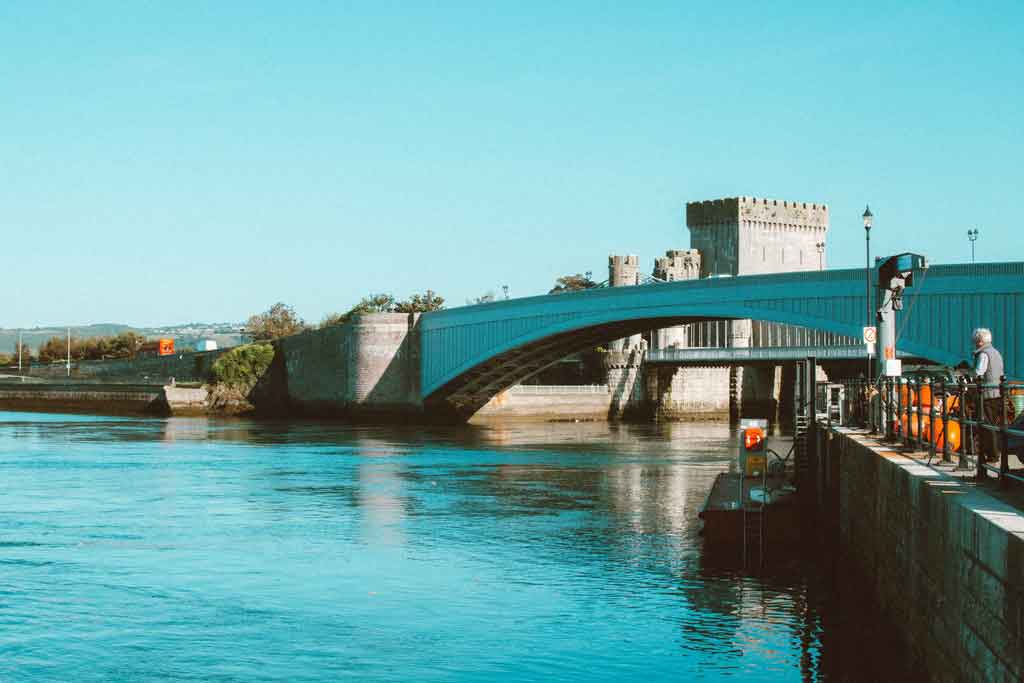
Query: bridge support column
{"x": 678, "y": 394}
{"x": 625, "y": 383}
{"x": 756, "y": 391}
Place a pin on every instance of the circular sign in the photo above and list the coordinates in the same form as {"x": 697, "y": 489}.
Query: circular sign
{"x": 870, "y": 335}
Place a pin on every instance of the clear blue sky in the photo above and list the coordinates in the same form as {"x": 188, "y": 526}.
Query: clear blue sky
{"x": 166, "y": 162}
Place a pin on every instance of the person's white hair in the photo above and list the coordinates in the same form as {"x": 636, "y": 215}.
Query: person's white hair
{"x": 983, "y": 335}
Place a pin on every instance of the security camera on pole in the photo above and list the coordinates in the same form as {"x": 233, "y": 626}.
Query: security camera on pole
{"x": 895, "y": 274}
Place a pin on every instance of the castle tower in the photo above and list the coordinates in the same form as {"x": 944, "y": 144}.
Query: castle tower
{"x": 624, "y": 271}
{"x": 750, "y": 236}
{"x": 676, "y": 264}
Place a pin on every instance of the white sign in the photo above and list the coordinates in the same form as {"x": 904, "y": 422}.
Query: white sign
{"x": 870, "y": 349}
{"x": 893, "y": 367}
{"x": 870, "y": 335}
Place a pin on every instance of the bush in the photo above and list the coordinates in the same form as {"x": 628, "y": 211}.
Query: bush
{"x": 277, "y": 321}
{"x": 243, "y": 366}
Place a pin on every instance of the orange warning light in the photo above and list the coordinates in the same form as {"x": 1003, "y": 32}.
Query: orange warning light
{"x": 753, "y": 439}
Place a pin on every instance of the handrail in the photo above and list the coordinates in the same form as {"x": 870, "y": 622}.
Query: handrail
{"x": 941, "y": 417}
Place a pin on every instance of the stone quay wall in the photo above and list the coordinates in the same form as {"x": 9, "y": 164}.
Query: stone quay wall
{"x": 103, "y": 398}
{"x": 944, "y": 555}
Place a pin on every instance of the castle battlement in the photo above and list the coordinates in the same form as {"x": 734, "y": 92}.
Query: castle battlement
{"x": 760, "y": 209}
{"x": 748, "y": 235}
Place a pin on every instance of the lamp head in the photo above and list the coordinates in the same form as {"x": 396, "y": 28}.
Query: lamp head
{"x": 868, "y": 216}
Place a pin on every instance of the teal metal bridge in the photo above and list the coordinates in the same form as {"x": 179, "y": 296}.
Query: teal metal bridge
{"x": 469, "y": 354}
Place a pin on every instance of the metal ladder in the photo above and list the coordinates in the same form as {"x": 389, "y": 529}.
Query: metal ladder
{"x": 754, "y": 520}
{"x": 800, "y": 425}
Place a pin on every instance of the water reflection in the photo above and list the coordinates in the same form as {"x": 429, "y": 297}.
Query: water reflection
{"x": 525, "y": 551}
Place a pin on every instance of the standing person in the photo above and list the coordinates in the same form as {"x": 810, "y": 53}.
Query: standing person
{"x": 988, "y": 368}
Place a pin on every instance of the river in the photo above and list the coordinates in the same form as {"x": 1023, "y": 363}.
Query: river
{"x": 228, "y": 550}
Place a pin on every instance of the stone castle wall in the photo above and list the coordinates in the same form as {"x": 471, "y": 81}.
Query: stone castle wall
{"x": 369, "y": 366}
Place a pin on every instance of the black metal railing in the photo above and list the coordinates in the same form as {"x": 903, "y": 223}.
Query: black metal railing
{"x": 972, "y": 421}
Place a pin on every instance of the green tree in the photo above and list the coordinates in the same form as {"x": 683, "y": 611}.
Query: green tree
{"x": 54, "y": 348}
{"x": 277, "y": 321}
{"x": 421, "y": 303}
{"x": 372, "y": 303}
{"x": 124, "y": 345}
{"x": 6, "y": 360}
{"x": 572, "y": 283}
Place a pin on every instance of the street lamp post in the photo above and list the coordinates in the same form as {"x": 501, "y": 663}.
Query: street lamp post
{"x": 504, "y": 288}
{"x": 820, "y": 246}
{"x": 972, "y": 235}
{"x": 868, "y": 217}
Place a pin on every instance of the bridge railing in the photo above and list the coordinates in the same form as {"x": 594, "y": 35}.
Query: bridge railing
{"x": 715, "y": 334}
{"x": 983, "y": 424}
{"x": 739, "y": 354}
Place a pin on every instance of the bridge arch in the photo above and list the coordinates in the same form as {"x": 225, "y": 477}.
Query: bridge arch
{"x": 469, "y": 354}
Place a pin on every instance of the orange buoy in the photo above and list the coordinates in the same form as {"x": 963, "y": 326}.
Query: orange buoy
{"x": 925, "y": 420}
{"x": 939, "y": 434}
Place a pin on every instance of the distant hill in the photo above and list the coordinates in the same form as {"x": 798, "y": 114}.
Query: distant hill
{"x": 186, "y": 336}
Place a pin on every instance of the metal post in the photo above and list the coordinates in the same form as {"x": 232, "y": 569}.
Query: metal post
{"x": 898, "y": 422}
{"x": 889, "y": 422}
{"x": 945, "y": 420}
{"x": 1004, "y": 437}
{"x": 810, "y": 373}
{"x": 69, "y": 352}
{"x": 933, "y": 433}
{"x": 916, "y": 415}
{"x": 868, "y": 217}
{"x": 21, "y": 345}
{"x": 966, "y": 431}
{"x": 979, "y": 422}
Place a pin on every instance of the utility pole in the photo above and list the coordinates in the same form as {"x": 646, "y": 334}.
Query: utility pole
{"x": 69, "y": 352}
{"x": 972, "y": 235}
{"x": 20, "y": 346}
{"x": 868, "y": 218}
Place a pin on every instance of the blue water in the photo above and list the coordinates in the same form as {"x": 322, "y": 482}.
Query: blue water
{"x": 204, "y": 550}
